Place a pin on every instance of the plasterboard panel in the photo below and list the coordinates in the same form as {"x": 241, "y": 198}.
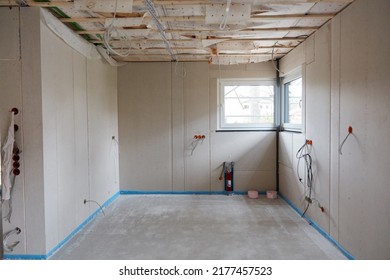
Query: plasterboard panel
{"x": 311, "y": 22}
{"x": 179, "y": 73}
{"x": 196, "y": 102}
{"x": 9, "y": 30}
{"x": 11, "y": 96}
{"x": 81, "y": 136}
{"x": 251, "y": 151}
{"x": 278, "y": 9}
{"x": 290, "y": 188}
{"x": 238, "y": 13}
{"x": 107, "y": 6}
{"x": 285, "y": 149}
{"x": 102, "y": 125}
{"x": 364, "y": 101}
{"x": 32, "y": 130}
{"x": 145, "y": 126}
{"x": 327, "y": 8}
{"x": 293, "y": 60}
{"x": 246, "y": 180}
{"x": 187, "y": 10}
{"x": 318, "y": 88}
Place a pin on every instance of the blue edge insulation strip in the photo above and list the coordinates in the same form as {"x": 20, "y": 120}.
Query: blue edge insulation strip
{"x": 114, "y": 197}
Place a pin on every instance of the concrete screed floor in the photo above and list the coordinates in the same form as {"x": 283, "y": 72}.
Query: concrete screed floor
{"x": 198, "y": 227}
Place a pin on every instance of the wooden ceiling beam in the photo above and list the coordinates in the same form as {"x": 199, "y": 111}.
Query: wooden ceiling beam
{"x": 66, "y": 4}
{"x": 290, "y": 16}
{"x": 84, "y": 19}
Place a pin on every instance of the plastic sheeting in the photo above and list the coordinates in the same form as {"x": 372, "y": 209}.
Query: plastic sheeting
{"x": 6, "y": 164}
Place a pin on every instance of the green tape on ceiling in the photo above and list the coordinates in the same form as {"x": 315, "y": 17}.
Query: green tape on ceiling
{"x": 61, "y": 14}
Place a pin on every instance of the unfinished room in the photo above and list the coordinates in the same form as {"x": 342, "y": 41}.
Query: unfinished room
{"x": 195, "y": 129}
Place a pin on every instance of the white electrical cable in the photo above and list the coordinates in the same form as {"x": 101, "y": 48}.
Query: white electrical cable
{"x": 160, "y": 27}
{"x": 110, "y": 30}
{"x": 272, "y": 59}
{"x": 225, "y": 19}
{"x": 10, "y": 247}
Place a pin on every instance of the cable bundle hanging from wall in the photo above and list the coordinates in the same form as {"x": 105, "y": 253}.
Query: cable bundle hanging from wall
{"x": 304, "y": 153}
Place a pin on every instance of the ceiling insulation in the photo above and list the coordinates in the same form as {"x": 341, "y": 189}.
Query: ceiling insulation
{"x": 217, "y": 31}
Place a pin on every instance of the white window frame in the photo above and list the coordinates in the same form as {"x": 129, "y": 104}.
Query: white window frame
{"x": 221, "y": 100}
{"x": 285, "y": 80}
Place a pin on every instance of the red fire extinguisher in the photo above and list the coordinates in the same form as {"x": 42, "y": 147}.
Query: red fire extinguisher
{"x": 227, "y": 172}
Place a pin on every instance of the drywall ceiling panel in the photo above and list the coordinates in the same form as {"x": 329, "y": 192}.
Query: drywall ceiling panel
{"x": 107, "y": 6}
{"x": 285, "y": 9}
{"x": 236, "y": 13}
{"x": 272, "y": 23}
{"x": 328, "y": 8}
{"x": 232, "y": 60}
{"x": 123, "y": 22}
{"x": 311, "y": 22}
{"x": 224, "y": 46}
{"x": 186, "y": 10}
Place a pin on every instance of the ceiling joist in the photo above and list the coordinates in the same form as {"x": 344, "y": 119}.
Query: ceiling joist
{"x": 194, "y": 30}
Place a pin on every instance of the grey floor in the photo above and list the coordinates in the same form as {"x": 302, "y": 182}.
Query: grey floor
{"x": 185, "y": 227}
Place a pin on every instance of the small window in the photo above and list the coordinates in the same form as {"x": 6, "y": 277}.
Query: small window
{"x": 247, "y": 104}
{"x": 293, "y": 103}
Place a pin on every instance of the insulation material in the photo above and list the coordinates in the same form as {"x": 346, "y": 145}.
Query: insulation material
{"x": 124, "y": 22}
{"x": 232, "y": 60}
{"x": 106, "y": 6}
{"x": 311, "y": 22}
{"x": 229, "y": 26}
{"x": 292, "y": 9}
{"x": 224, "y": 46}
{"x": 252, "y": 34}
{"x": 238, "y": 14}
{"x": 6, "y": 164}
{"x": 331, "y": 8}
{"x": 193, "y": 10}
{"x": 68, "y": 36}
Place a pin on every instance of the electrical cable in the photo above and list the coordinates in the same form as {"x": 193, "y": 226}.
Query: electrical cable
{"x": 10, "y": 247}
{"x": 272, "y": 59}
{"x": 111, "y": 29}
{"x": 160, "y": 27}
{"x": 101, "y": 208}
{"x": 304, "y": 153}
{"x": 224, "y": 20}
{"x": 345, "y": 139}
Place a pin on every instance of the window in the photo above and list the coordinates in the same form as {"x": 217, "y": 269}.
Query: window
{"x": 293, "y": 103}
{"x": 247, "y": 104}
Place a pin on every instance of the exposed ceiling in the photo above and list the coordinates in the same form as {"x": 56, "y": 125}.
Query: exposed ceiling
{"x": 217, "y": 31}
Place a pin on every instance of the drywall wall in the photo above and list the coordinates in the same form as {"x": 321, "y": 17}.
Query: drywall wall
{"x": 79, "y": 119}
{"x": 11, "y": 96}
{"x": 364, "y": 105}
{"x": 346, "y": 86}
{"x": 102, "y": 131}
{"x": 162, "y": 106}
{"x": 68, "y": 118}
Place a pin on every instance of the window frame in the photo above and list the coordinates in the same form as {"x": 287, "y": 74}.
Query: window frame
{"x": 222, "y": 126}
{"x": 284, "y": 102}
